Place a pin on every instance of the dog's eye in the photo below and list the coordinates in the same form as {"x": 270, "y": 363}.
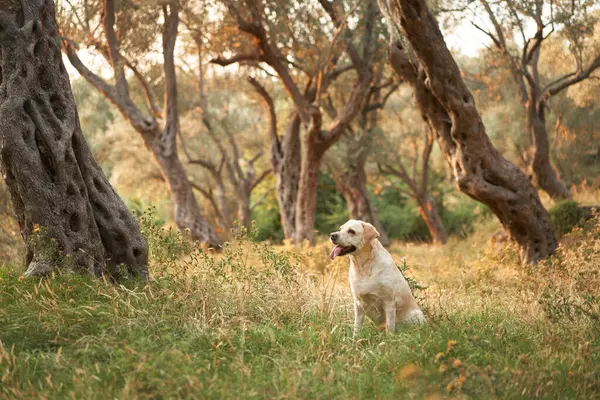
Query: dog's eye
{"x": 350, "y": 231}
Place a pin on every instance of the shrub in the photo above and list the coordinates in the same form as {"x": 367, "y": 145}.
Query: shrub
{"x": 331, "y": 212}
{"x": 268, "y": 220}
{"x": 401, "y": 219}
{"x": 564, "y": 216}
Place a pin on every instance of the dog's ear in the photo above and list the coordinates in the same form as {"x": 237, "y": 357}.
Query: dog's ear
{"x": 369, "y": 232}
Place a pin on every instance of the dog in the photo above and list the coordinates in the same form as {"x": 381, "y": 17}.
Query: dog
{"x": 378, "y": 287}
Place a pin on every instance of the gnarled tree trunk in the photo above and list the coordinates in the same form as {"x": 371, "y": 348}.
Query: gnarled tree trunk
{"x": 287, "y": 176}
{"x": 187, "y": 209}
{"x": 53, "y": 179}
{"x": 449, "y": 108}
{"x": 541, "y": 171}
{"x": 286, "y": 155}
{"x": 429, "y": 213}
{"x": 533, "y": 95}
{"x": 307, "y": 193}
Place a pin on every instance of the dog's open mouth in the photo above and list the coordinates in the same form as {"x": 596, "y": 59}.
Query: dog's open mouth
{"x": 341, "y": 251}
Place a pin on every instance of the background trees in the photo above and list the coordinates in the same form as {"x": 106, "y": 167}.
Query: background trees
{"x": 160, "y": 138}
{"x": 297, "y": 187}
{"x": 448, "y": 108}
{"x": 284, "y": 110}
{"x": 519, "y": 31}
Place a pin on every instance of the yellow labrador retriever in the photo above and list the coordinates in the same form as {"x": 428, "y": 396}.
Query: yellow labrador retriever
{"x": 378, "y": 287}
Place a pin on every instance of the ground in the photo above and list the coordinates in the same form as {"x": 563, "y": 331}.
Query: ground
{"x": 272, "y": 322}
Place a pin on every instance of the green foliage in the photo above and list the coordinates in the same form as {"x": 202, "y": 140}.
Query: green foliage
{"x": 46, "y": 250}
{"x": 412, "y": 283}
{"x": 268, "y": 221}
{"x": 165, "y": 246}
{"x": 95, "y": 112}
{"x": 461, "y": 218}
{"x": 401, "y": 220}
{"x": 564, "y": 216}
{"x": 331, "y": 211}
{"x": 250, "y": 323}
{"x": 397, "y": 213}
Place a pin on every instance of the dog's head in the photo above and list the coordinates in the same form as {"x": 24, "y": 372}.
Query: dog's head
{"x": 352, "y": 236}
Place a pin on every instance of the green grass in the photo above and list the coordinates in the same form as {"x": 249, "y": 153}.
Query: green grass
{"x": 251, "y": 324}
{"x": 72, "y": 336}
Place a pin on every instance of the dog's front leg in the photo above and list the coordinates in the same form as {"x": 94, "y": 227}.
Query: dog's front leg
{"x": 359, "y": 316}
{"x": 390, "y": 316}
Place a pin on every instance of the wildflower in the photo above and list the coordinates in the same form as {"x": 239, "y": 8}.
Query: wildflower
{"x": 451, "y": 344}
{"x": 438, "y": 356}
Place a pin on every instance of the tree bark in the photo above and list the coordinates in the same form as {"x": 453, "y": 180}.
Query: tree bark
{"x": 187, "y": 211}
{"x": 449, "y": 108}
{"x": 429, "y": 213}
{"x": 244, "y": 212}
{"x": 287, "y": 176}
{"x": 543, "y": 175}
{"x": 306, "y": 202}
{"x": 53, "y": 179}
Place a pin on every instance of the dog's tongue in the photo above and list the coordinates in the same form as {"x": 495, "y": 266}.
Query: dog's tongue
{"x": 335, "y": 252}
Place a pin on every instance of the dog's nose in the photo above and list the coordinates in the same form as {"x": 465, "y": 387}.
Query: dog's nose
{"x": 333, "y": 236}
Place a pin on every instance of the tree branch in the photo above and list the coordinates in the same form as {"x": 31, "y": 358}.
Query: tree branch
{"x": 381, "y": 104}
{"x": 108, "y": 23}
{"x": 238, "y": 58}
{"x": 150, "y": 101}
{"x": 209, "y": 196}
{"x": 260, "y": 178}
{"x": 357, "y": 61}
{"x": 489, "y": 34}
{"x": 267, "y": 101}
{"x": 271, "y": 56}
{"x": 386, "y": 169}
{"x": 169, "y": 38}
{"x": 105, "y": 88}
{"x": 256, "y": 157}
{"x": 261, "y": 199}
{"x": 561, "y": 84}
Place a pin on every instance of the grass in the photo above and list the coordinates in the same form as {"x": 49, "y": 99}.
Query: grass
{"x": 264, "y": 322}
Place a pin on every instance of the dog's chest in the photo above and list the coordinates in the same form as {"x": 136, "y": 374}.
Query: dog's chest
{"x": 368, "y": 287}
{"x": 378, "y": 280}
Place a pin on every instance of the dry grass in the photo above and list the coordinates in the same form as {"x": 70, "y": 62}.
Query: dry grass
{"x": 266, "y": 322}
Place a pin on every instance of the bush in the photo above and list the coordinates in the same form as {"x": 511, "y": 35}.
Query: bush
{"x": 401, "y": 219}
{"x": 397, "y": 213}
{"x": 331, "y": 212}
{"x": 564, "y": 216}
{"x": 268, "y": 220}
